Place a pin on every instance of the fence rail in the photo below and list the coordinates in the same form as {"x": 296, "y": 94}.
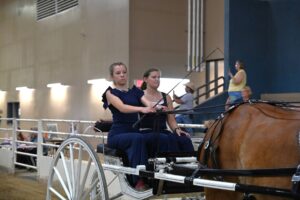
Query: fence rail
{"x": 40, "y": 138}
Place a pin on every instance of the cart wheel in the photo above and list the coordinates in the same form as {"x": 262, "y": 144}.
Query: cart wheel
{"x": 76, "y": 173}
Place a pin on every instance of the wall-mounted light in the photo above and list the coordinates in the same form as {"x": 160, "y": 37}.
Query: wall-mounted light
{"x": 23, "y": 88}
{"x": 2, "y": 96}
{"x": 56, "y": 85}
{"x": 97, "y": 81}
{"x": 58, "y": 92}
{"x": 25, "y": 94}
{"x": 98, "y": 87}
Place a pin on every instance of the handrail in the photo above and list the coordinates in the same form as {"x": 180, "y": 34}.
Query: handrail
{"x": 207, "y": 90}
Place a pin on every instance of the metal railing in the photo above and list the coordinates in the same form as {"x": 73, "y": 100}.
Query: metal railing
{"x": 13, "y": 148}
{"x": 209, "y": 89}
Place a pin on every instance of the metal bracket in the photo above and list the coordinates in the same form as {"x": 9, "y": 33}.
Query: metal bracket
{"x": 207, "y": 143}
{"x": 296, "y": 176}
{"x": 248, "y": 196}
{"x": 296, "y": 181}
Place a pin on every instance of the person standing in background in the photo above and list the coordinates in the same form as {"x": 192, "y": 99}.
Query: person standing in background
{"x": 236, "y": 84}
{"x": 186, "y": 103}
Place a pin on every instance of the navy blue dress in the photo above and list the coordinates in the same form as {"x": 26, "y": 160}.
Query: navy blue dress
{"x": 155, "y": 125}
{"x": 122, "y": 135}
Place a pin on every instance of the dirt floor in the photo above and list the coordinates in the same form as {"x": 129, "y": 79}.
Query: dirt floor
{"x": 22, "y": 186}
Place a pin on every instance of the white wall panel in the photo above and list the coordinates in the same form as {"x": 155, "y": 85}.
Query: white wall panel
{"x": 71, "y": 47}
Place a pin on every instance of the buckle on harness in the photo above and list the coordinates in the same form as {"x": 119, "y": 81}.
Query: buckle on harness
{"x": 207, "y": 143}
{"x": 296, "y": 181}
{"x": 296, "y": 178}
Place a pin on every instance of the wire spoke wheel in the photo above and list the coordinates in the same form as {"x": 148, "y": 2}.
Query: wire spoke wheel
{"x": 76, "y": 173}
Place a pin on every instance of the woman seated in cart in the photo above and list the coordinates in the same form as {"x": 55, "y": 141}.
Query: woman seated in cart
{"x": 125, "y": 104}
{"x": 179, "y": 140}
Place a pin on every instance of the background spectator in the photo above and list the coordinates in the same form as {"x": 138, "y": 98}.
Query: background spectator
{"x": 186, "y": 103}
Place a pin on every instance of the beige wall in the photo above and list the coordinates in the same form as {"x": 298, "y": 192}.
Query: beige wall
{"x": 213, "y": 35}
{"x": 70, "y": 48}
{"x": 214, "y": 28}
{"x": 79, "y": 44}
{"x": 158, "y": 37}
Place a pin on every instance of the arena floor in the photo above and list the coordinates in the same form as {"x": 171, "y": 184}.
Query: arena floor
{"x": 24, "y": 186}
{"x": 21, "y": 186}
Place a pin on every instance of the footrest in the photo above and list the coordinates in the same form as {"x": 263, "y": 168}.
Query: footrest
{"x": 104, "y": 149}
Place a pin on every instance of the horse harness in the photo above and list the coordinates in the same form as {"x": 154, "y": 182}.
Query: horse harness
{"x": 211, "y": 144}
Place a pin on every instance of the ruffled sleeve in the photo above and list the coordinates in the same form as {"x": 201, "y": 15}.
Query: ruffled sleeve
{"x": 104, "y": 99}
{"x": 138, "y": 92}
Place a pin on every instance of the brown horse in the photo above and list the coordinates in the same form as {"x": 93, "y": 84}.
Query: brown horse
{"x": 253, "y": 136}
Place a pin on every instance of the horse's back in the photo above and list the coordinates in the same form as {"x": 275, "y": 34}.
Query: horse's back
{"x": 258, "y": 136}
{"x": 263, "y": 136}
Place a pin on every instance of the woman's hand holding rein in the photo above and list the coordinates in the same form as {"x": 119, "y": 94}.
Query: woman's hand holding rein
{"x": 147, "y": 110}
{"x": 180, "y": 132}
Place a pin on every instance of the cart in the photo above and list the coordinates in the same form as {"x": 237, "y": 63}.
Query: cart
{"x": 80, "y": 172}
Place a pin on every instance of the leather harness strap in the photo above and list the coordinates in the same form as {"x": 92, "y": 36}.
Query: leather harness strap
{"x": 211, "y": 145}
